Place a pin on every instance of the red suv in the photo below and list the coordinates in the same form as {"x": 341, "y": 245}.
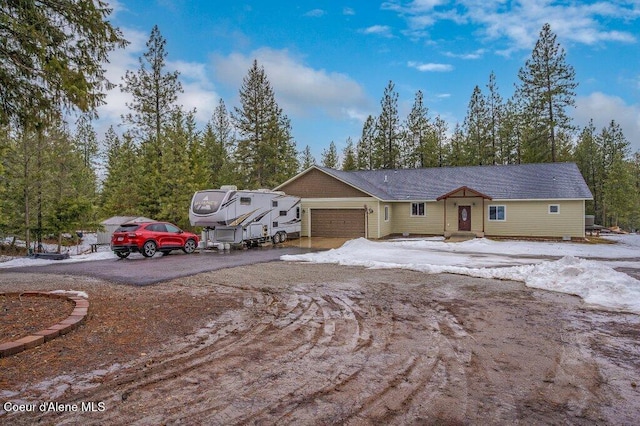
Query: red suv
{"x": 150, "y": 237}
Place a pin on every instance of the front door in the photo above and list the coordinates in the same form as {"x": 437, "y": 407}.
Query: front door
{"x": 464, "y": 218}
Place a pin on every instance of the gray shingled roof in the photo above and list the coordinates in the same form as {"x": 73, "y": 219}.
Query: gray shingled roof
{"x": 505, "y": 182}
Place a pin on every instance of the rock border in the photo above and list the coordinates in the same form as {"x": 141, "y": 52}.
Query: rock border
{"x": 77, "y": 317}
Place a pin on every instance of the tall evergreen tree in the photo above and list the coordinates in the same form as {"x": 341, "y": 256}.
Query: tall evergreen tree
{"x": 266, "y": 153}
{"x": 476, "y": 125}
{"x": 349, "y": 161}
{"x": 588, "y": 157}
{"x": 364, "y": 149}
{"x": 306, "y": 159}
{"x": 330, "y": 156}
{"x": 53, "y": 56}
{"x": 547, "y": 84}
{"x": 440, "y": 136}
{"x": 154, "y": 92}
{"x": 419, "y": 141}
{"x": 495, "y": 114}
{"x": 387, "y": 137}
{"x": 120, "y": 193}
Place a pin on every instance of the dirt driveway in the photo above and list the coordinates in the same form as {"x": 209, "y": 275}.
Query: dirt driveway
{"x": 290, "y": 343}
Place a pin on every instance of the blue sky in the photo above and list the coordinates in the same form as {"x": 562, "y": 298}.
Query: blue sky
{"x": 330, "y": 61}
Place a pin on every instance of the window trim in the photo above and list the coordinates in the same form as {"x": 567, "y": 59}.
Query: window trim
{"x": 424, "y": 209}
{"x": 504, "y": 213}
{"x": 553, "y": 205}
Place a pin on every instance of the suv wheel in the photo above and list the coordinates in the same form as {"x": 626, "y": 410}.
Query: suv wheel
{"x": 189, "y": 246}
{"x": 149, "y": 249}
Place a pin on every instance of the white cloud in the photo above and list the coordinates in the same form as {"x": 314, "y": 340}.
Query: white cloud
{"x": 467, "y": 56}
{"x": 381, "y": 30}
{"x": 348, "y": 11}
{"x": 520, "y": 22}
{"x": 315, "y": 13}
{"x": 603, "y": 108}
{"x": 430, "y": 67}
{"x": 299, "y": 89}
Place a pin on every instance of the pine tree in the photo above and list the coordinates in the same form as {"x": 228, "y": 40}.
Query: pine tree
{"x": 547, "y": 88}
{"x": 266, "y": 153}
{"x": 349, "y": 155}
{"x": 154, "y": 92}
{"x": 419, "y": 139}
{"x": 387, "y": 136}
{"x": 330, "y": 156}
{"x": 120, "y": 188}
{"x": 495, "y": 114}
{"x": 588, "y": 156}
{"x": 218, "y": 149}
{"x": 52, "y": 56}
{"x": 306, "y": 159}
{"x": 476, "y": 125}
{"x": 364, "y": 149}
{"x": 440, "y": 135}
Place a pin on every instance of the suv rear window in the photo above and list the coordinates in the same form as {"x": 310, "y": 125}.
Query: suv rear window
{"x": 128, "y": 227}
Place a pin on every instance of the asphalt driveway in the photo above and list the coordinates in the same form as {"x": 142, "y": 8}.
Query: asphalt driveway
{"x": 139, "y": 270}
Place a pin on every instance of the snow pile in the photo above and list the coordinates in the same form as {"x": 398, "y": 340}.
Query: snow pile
{"x": 71, "y": 293}
{"x": 594, "y": 281}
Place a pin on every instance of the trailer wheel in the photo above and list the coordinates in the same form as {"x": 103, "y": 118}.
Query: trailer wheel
{"x": 276, "y": 238}
{"x": 283, "y": 237}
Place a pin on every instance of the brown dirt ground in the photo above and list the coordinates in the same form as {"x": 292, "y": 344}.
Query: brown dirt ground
{"x": 291, "y": 343}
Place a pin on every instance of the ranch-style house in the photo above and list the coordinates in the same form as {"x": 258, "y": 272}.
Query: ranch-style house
{"x": 524, "y": 200}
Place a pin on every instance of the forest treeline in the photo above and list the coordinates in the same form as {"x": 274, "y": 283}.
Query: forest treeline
{"x": 56, "y": 181}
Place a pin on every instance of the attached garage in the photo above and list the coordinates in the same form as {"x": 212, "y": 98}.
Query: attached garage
{"x": 338, "y": 223}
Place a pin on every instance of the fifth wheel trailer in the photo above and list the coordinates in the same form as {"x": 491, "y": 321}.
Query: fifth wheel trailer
{"x": 233, "y": 216}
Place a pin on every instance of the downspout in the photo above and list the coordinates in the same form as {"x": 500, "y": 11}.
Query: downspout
{"x": 366, "y": 221}
{"x": 483, "y": 216}
{"x": 444, "y": 231}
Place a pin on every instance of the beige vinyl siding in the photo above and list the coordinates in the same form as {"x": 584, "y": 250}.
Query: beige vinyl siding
{"x": 532, "y": 218}
{"x": 429, "y": 224}
{"x": 308, "y": 204}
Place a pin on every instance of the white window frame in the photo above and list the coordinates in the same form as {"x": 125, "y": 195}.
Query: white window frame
{"x": 504, "y": 210}
{"x": 387, "y": 213}
{"x": 553, "y": 205}
{"x": 424, "y": 210}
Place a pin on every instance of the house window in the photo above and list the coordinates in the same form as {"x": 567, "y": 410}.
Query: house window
{"x": 554, "y": 208}
{"x": 417, "y": 209}
{"x": 274, "y": 203}
{"x": 386, "y": 213}
{"x": 497, "y": 213}
{"x": 245, "y": 201}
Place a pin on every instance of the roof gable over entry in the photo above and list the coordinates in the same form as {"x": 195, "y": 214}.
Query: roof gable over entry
{"x": 501, "y": 182}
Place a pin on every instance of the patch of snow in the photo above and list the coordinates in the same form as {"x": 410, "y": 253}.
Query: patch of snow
{"x": 574, "y": 270}
{"x": 71, "y": 292}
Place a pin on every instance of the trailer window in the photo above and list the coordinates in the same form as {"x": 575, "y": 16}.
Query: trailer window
{"x": 245, "y": 201}
{"x": 274, "y": 203}
{"x": 207, "y": 202}
{"x": 283, "y": 212}
{"x": 274, "y": 224}
{"x": 297, "y": 212}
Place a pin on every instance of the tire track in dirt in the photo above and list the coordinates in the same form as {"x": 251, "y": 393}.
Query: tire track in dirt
{"x": 348, "y": 352}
